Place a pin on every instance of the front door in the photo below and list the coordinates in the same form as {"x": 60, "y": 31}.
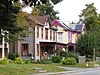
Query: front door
{"x": 24, "y": 49}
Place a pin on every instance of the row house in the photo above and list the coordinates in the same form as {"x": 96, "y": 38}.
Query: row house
{"x": 68, "y": 33}
{"x": 41, "y": 42}
{"x": 46, "y": 38}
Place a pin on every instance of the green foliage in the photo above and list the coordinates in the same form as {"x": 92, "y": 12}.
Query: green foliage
{"x": 7, "y": 16}
{"x": 87, "y": 42}
{"x": 39, "y": 2}
{"x": 12, "y": 56}
{"x": 90, "y": 17}
{"x": 18, "y": 60}
{"x": 4, "y": 61}
{"x": 69, "y": 61}
{"x": 10, "y": 61}
{"x": 90, "y": 40}
{"x": 44, "y": 61}
{"x": 27, "y": 61}
{"x": 56, "y": 59}
{"x": 72, "y": 55}
{"x": 47, "y": 62}
{"x": 47, "y": 9}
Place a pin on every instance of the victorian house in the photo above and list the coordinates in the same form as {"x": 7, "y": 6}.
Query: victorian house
{"x": 68, "y": 33}
{"x": 46, "y": 38}
{"x": 41, "y": 42}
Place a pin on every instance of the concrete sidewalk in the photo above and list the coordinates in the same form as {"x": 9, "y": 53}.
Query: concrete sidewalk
{"x": 54, "y": 73}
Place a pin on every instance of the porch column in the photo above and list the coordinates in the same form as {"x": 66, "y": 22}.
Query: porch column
{"x": 3, "y": 47}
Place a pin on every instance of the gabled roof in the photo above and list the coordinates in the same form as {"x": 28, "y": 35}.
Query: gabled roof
{"x": 58, "y": 22}
{"x": 40, "y": 19}
{"x": 73, "y": 27}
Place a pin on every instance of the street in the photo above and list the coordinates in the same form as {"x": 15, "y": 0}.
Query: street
{"x": 74, "y": 71}
{"x": 90, "y": 71}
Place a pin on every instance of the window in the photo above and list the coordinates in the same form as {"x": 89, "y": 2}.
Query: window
{"x": 50, "y": 34}
{"x": 70, "y": 36}
{"x": 37, "y": 49}
{"x": 37, "y": 32}
{"x": 41, "y": 33}
{"x": 24, "y": 49}
{"x": 46, "y": 33}
{"x": 59, "y": 36}
{"x": 53, "y": 35}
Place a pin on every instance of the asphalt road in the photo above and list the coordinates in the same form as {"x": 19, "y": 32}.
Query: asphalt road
{"x": 95, "y": 71}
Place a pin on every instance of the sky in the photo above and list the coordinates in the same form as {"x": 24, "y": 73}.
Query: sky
{"x": 70, "y": 9}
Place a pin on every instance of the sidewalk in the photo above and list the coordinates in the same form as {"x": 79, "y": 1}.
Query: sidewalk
{"x": 54, "y": 73}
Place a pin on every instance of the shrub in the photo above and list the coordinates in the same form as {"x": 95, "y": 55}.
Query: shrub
{"x": 72, "y": 55}
{"x": 47, "y": 62}
{"x": 69, "y": 61}
{"x": 12, "y": 56}
{"x": 26, "y": 61}
{"x": 56, "y": 59}
{"x": 10, "y": 61}
{"x": 18, "y": 60}
{"x": 44, "y": 61}
{"x": 4, "y": 61}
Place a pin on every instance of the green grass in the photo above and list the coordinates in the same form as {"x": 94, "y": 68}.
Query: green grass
{"x": 79, "y": 66}
{"x": 25, "y": 69}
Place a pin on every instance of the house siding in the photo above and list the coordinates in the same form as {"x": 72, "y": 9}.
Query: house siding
{"x": 27, "y": 40}
{"x": 64, "y": 35}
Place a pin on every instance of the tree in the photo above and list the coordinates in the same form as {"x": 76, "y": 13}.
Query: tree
{"x": 39, "y": 2}
{"x": 90, "y": 40}
{"x": 89, "y": 16}
{"x": 47, "y": 9}
{"x": 87, "y": 42}
{"x": 10, "y": 8}
{"x": 7, "y": 16}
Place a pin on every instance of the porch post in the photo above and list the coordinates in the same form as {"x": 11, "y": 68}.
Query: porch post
{"x": 8, "y": 44}
{"x": 3, "y": 47}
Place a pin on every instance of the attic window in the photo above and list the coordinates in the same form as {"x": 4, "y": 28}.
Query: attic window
{"x": 55, "y": 25}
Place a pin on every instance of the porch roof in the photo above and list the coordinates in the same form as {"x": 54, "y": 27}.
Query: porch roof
{"x": 49, "y": 43}
{"x": 71, "y": 44}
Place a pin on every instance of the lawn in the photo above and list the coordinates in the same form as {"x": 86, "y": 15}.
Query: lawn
{"x": 25, "y": 69}
{"x": 79, "y": 65}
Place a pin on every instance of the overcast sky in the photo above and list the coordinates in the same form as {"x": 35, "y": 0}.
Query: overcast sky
{"x": 70, "y": 9}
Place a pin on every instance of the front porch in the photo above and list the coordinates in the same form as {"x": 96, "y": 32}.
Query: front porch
{"x": 49, "y": 49}
{"x": 5, "y": 53}
{"x": 71, "y": 47}
{"x": 4, "y": 50}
